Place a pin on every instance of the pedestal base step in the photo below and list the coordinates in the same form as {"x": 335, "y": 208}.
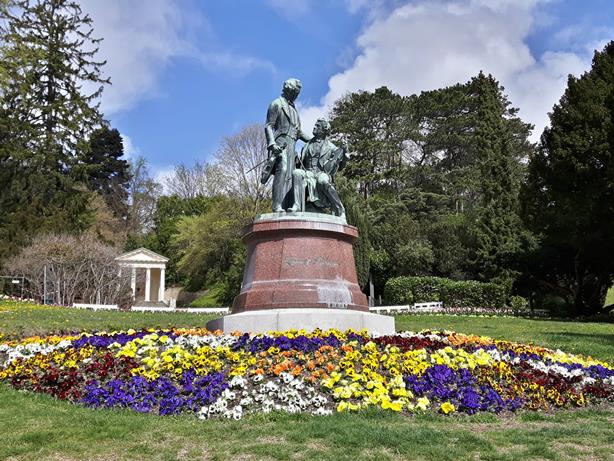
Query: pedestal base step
{"x": 262, "y": 321}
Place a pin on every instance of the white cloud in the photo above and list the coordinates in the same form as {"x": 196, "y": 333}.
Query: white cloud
{"x": 131, "y": 151}
{"x": 233, "y": 62}
{"x": 426, "y": 45}
{"x": 142, "y": 37}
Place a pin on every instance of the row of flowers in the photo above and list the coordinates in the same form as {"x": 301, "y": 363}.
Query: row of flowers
{"x": 211, "y": 375}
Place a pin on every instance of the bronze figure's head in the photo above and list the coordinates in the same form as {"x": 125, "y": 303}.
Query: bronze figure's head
{"x": 322, "y": 128}
{"x": 292, "y": 88}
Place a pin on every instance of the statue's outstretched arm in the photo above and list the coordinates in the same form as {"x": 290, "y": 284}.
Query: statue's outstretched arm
{"x": 304, "y": 137}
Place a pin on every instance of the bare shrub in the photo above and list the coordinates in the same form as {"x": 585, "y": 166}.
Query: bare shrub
{"x": 77, "y": 269}
{"x": 240, "y": 160}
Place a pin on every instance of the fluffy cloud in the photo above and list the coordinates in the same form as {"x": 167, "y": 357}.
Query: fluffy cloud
{"x": 142, "y": 37}
{"x": 426, "y": 45}
{"x": 131, "y": 151}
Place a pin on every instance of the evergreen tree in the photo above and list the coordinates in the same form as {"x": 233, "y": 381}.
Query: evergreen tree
{"x": 47, "y": 57}
{"x": 442, "y": 171}
{"x": 375, "y": 127}
{"x": 498, "y": 228}
{"x": 356, "y": 213}
{"x": 51, "y": 49}
{"x": 105, "y": 171}
{"x": 569, "y": 197}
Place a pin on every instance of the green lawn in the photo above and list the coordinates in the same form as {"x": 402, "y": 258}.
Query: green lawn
{"x": 18, "y": 320}
{"x": 39, "y": 427}
{"x": 594, "y": 339}
{"x": 210, "y": 298}
{"x": 609, "y": 297}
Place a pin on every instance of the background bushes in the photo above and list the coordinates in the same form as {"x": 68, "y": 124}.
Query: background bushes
{"x": 452, "y": 293}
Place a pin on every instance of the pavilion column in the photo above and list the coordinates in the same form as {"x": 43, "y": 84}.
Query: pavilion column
{"x": 161, "y": 285}
{"x": 148, "y": 285}
{"x": 133, "y": 283}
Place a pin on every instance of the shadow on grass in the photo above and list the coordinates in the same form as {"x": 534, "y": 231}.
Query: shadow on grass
{"x": 604, "y": 339}
{"x": 601, "y": 319}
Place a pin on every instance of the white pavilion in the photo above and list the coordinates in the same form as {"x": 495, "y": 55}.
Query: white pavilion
{"x": 148, "y": 289}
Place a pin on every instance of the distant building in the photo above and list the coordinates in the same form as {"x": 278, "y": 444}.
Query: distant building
{"x": 148, "y": 272}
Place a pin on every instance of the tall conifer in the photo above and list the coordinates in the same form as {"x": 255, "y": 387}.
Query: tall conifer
{"x": 569, "y": 198}
{"x": 498, "y": 229}
{"x": 47, "y": 62}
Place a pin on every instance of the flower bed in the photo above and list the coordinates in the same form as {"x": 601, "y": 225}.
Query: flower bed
{"x": 213, "y": 375}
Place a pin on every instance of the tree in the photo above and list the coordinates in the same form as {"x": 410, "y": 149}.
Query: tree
{"x": 569, "y": 197}
{"x": 47, "y": 57}
{"x": 201, "y": 180}
{"x": 170, "y": 210}
{"x": 210, "y": 248}
{"x": 144, "y": 192}
{"x": 240, "y": 160}
{"x": 376, "y": 126}
{"x": 75, "y": 268}
{"x": 51, "y": 49}
{"x": 105, "y": 225}
{"x": 104, "y": 171}
{"x": 498, "y": 230}
{"x": 441, "y": 173}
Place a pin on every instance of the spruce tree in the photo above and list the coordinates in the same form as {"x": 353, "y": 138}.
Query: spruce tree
{"x": 105, "y": 171}
{"x": 569, "y": 198}
{"x": 47, "y": 61}
{"x": 52, "y": 51}
{"x": 498, "y": 228}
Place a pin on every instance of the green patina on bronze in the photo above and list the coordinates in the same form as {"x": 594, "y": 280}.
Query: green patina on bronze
{"x": 301, "y": 182}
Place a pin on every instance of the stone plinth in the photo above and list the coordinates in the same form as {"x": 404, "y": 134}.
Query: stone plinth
{"x": 262, "y": 321}
{"x": 299, "y": 260}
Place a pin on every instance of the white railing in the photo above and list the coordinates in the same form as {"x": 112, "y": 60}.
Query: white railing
{"x": 204, "y": 310}
{"x": 428, "y": 307}
{"x": 189, "y": 310}
{"x": 418, "y": 307}
{"x": 152, "y": 309}
{"x": 96, "y": 307}
{"x": 389, "y": 309}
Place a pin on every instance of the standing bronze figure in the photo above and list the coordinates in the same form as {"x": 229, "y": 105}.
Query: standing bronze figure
{"x": 282, "y": 130}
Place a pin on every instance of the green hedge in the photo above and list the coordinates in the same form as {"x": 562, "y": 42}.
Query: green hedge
{"x": 453, "y": 293}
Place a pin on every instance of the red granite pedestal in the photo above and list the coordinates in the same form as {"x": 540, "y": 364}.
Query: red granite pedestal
{"x": 300, "y": 274}
{"x": 300, "y": 263}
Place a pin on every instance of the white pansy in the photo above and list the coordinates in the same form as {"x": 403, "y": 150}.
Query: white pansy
{"x": 27, "y": 351}
{"x": 286, "y": 393}
{"x": 237, "y": 382}
{"x": 246, "y": 401}
{"x": 322, "y": 412}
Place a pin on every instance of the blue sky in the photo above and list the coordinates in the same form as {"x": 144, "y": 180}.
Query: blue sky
{"x": 186, "y": 73}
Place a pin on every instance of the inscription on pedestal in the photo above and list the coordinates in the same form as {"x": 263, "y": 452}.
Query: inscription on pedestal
{"x": 300, "y": 264}
{"x": 318, "y": 261}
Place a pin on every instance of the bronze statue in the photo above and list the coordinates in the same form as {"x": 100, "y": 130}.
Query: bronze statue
{"x": 319, "y": 161}
{"x": 282, "y": 130}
